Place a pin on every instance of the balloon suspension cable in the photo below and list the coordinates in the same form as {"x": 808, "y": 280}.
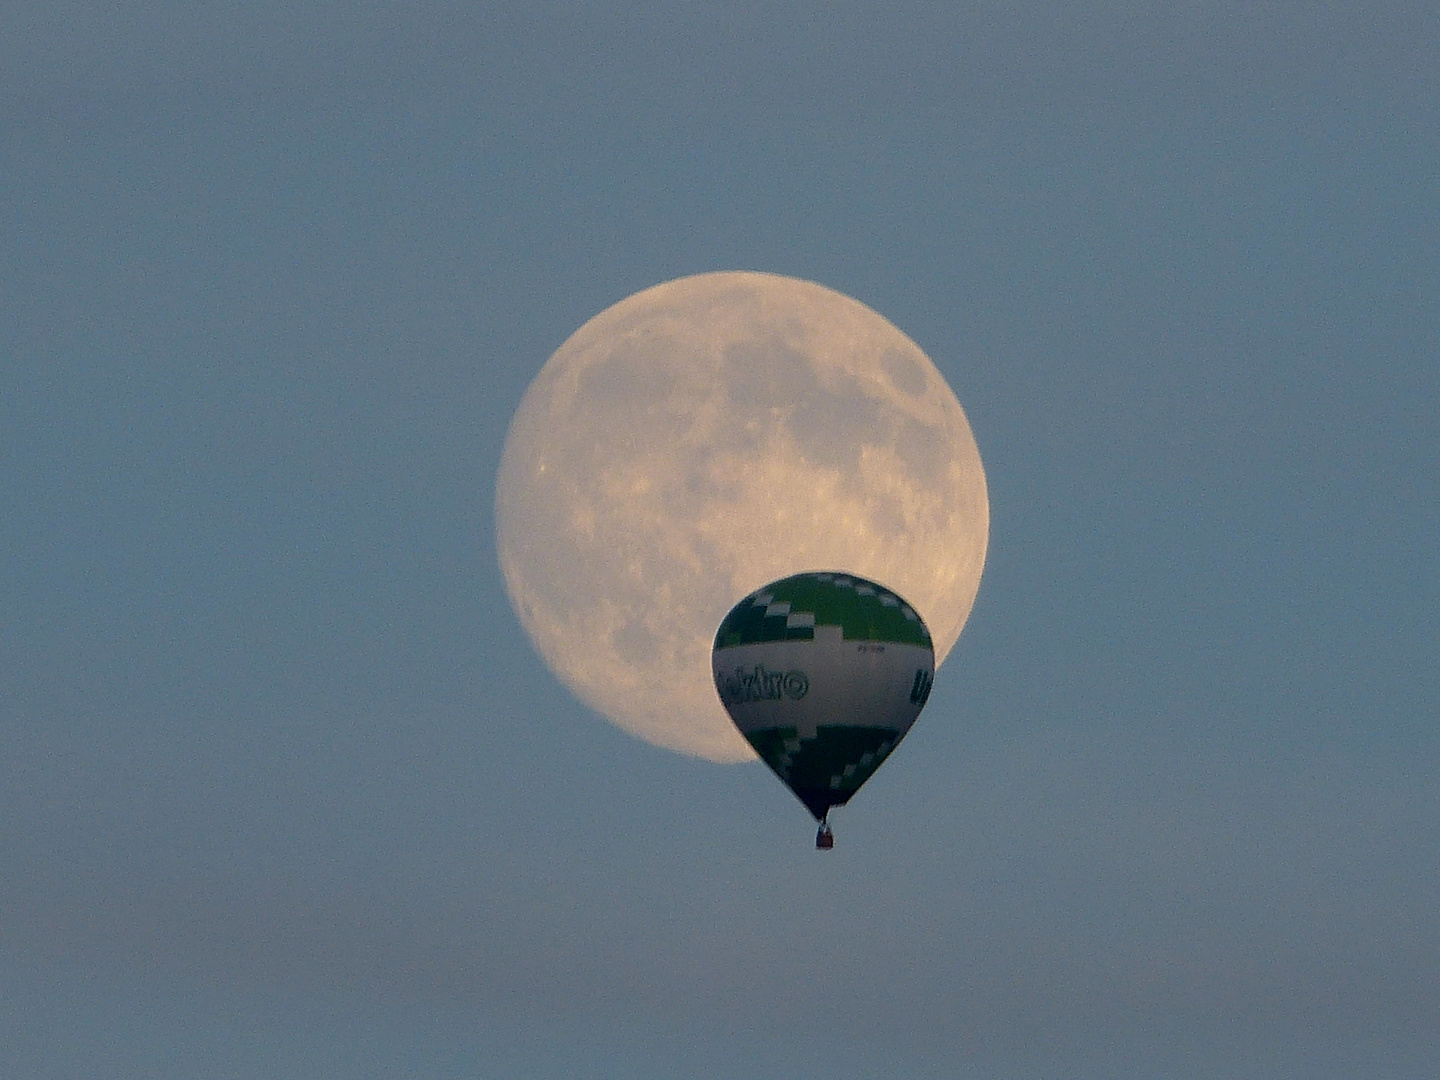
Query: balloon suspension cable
{"x": 824, "y": 838}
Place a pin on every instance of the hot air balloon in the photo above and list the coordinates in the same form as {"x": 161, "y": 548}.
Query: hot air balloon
{"x": 823, "y": 673}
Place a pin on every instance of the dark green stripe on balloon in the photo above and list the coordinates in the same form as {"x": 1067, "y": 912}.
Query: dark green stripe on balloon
{"x": 826, "y": 769}
{"x": 791, "y": 608}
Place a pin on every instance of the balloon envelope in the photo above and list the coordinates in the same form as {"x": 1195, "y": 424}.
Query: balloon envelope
{"x": 823, "y": 673}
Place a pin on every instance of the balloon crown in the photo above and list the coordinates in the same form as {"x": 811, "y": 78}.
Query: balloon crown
{"x": 791, "y": 608}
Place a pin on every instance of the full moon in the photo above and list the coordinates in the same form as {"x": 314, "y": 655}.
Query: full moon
{"x": 706, "y": 436}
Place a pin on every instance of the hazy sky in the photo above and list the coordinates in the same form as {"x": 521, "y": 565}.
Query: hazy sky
{"x": 284, "y": 791}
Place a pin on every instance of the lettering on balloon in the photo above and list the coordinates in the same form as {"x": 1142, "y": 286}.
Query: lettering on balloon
{"x": 740, "y": 687}
{"x": 920, "y": 688}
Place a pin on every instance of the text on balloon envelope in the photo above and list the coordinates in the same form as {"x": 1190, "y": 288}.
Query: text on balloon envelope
{"x": 740, "y": 687}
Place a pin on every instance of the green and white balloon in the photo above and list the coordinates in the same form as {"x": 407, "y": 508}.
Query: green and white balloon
{"x": 823, "y": 673}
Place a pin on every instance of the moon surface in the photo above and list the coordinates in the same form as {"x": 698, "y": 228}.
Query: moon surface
{"x": 708, "y": 435}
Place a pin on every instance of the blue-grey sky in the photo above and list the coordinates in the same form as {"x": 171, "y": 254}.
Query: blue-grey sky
{"x": 284, "y": 791}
